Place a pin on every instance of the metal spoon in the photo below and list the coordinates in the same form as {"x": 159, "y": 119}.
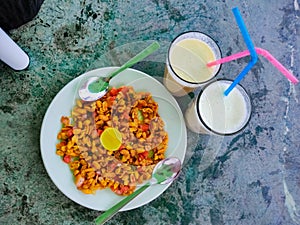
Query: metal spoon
{"x": 96, "y": 87}
{"x": 164, "y": 172}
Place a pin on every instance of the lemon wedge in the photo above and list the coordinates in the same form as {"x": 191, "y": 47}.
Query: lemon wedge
{"x": 111, "y": 139}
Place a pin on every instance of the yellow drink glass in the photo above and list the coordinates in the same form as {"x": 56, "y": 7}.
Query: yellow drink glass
{"x": 186, "y": 67}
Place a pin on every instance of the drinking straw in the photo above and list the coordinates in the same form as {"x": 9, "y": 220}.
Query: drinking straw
{"x": 229, "y": 58}
{"x": 245, "y": 34}
{"x": 250, "y": 46}
{"x": 265, "y": 54}
{"x": 278, "y": 65}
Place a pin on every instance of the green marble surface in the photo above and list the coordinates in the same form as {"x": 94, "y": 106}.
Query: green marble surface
{"x": 249, "y": 178}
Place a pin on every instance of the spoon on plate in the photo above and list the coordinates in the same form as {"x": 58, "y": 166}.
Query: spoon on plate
{"x": 164, "y": 172}
{"x": 96, "y": 87}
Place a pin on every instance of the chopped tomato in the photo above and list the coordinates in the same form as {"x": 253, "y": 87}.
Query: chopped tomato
{"x": 121, "y": 189}
{"x": 144, "y": 127}
{"x": 99, "y": 131}
{"x": 114, "y": 91}
{"x": 143, "y": 155}
{"x": 121, "y": 147}
{"x": 65, "y": 120}
{"x": 63, "y": 143}
{"x": 70, "y": 133}
{"x": 67, "y": 158}
{"x": 124, "y": 189}
{"x": 112, "y": 98}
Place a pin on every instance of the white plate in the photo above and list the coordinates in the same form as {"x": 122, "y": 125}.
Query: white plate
{"x": 62, "y": 104}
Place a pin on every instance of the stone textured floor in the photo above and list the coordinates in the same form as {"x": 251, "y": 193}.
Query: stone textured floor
{"x": 249, "y": 178}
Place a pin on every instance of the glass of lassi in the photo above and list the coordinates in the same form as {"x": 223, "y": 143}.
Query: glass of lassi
{"x": 186, "y": 62}
{"x": 214, "y": 113}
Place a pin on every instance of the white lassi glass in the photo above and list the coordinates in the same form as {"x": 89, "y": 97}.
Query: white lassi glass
{"x": 214, "y": 113}
{"x": 186, "y": 62}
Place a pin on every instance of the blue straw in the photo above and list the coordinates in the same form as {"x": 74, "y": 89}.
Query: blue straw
{"x": 250, "y": 46}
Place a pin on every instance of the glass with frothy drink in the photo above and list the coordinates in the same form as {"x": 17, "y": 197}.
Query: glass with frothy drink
{"x": 214, "y": 113}
{"x": 186, "y": 62}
